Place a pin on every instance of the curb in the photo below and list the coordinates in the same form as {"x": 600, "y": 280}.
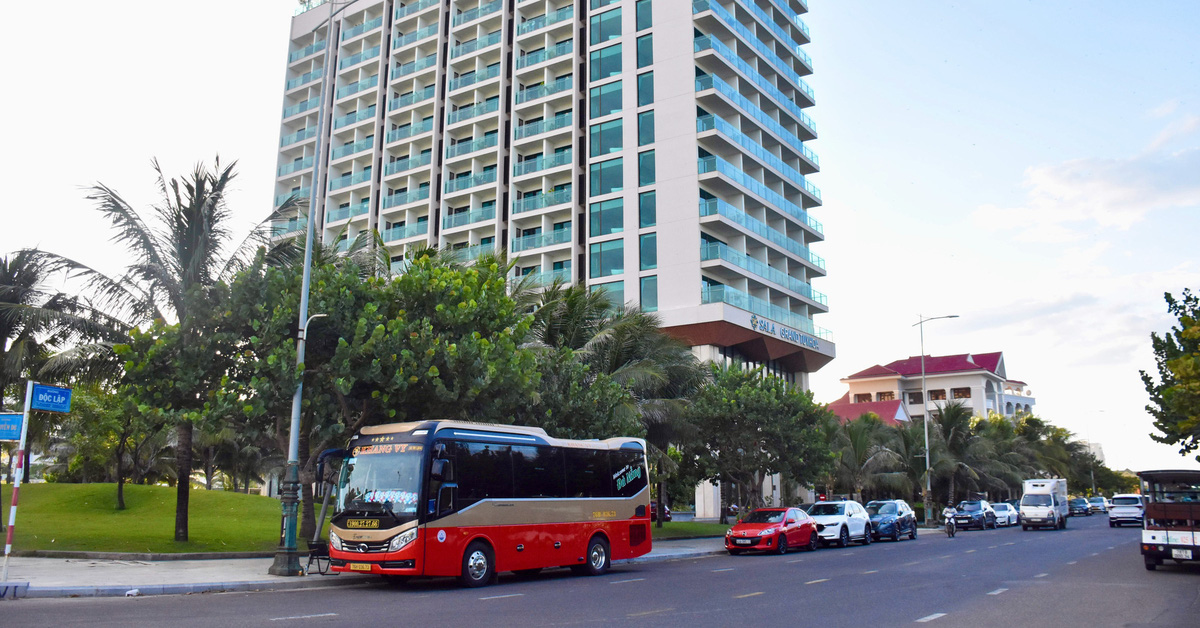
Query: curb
{"x": 147, "y": 556}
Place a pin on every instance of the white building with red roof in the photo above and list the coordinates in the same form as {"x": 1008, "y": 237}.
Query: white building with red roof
{"x": 893, "y": 390}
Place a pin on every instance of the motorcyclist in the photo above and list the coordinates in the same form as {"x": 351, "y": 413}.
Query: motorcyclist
{"x": 948, "y": 517}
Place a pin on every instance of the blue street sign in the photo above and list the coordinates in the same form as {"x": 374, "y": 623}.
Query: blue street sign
{"x": 10, "y": 426}
{"x": 51, "y": 398}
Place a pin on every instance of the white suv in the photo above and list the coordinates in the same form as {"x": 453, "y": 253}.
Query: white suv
{"x": 839, "y": 522}
{"x": 1126, "y": 508}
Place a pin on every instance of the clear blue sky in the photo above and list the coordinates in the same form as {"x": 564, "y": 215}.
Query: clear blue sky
{"x": 1030, "y": 166}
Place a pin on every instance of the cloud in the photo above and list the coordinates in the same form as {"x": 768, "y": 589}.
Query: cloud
{"x": 1165, "y": 109}
{"x": 1179, "y": 128}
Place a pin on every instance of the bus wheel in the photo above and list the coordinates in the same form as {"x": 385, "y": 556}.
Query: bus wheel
{"x": 478, "y": 566}
{"x": 596, "y": 557}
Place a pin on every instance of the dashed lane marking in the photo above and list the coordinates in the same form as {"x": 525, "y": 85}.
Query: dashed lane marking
{"x": 1072, "y": 562}
{"x": 725, "y": 569}
{"x": 1110, "y": 547}
{"x": 817, "y": 580}
{"x": 1010, "y": 543}
{"x": 993, "y": 546}
{"x": 946, "y": 556}
{"x": 997, "y": 592}
{"x": 748, "y": 595}
{"x": 929, "y": 618}
{"x": 1095, "y": 553}
{"x": 629, "y": 580}
{"x": 968, "y": 551}
{"x": 304, "y": 617}
{"x": 497, "y": 597}
{"x": 654, "y": 612}
{"x": 911, "y": 564}
{"x": 1041, "y": 575}
{"x": 798, "y": 560}
{"x": 872, "y": 571}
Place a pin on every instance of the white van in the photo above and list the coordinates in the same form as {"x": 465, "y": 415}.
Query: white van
{"x": 1044, "y": 504}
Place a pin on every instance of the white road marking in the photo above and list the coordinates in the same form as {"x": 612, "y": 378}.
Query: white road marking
{"x": 968, "y": 551}
{"x": 629, "y": 580}
{"x": 1041, "y": 575}
{"x": 1012, "y": 543}
{"x": 912, "y": 563}
{"x": 993, "y": 546}
{"x": 997, "y": 592}
{"x": 1095, "y": 553}
{"x": 661, "y": 610}
{"x": 496, "y": 597}
{"x": 1072, "y": 562}
{"x": 946, "y": 556}
{"x": 748, "y": 595}
{"x": 304, "y": 617}
{"x": 798, "y": 560}
{"x": 929, "y": 618}
{"x": 817, "y": 580}
{"x": 1110, "y": 547}
{"x": 872, "y": 571}
{"x": 725, "y": 569}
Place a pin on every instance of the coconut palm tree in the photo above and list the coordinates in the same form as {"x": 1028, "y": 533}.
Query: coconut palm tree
{"x": 863, "y": 455}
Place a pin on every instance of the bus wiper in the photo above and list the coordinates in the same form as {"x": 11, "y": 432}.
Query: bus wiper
{"x": 366, "y": 506}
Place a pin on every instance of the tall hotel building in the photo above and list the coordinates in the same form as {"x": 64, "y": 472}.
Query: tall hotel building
{"x": 655, "y": 148}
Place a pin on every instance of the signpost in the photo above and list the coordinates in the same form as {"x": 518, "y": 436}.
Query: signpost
{"x": 37, "y": 397}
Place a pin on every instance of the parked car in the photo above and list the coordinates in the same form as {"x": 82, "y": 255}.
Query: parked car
{"x": 654, "y": 511}
{"x": 975, "y": 514}
{"x": 1099, "y": 504}
{"x": 772, "y": 530}
{"x": 1126, "y": 508}
{"x": 1079, "y": 506}
{"x": 841, "y": 522}
{"x": 891, "y": 519}
{"x": 1006, "y": 514}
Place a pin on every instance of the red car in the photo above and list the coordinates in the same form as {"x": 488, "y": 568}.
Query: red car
{"x": 654, "y": 512}
{"x": 772, "y": 530}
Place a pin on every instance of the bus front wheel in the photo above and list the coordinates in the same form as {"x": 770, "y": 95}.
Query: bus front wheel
{"x": 479, "y": 565}
{"x": 596, "y": 560}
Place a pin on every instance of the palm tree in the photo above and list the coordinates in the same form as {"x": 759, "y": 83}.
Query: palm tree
{"x": 184, "y": 254}
{"x": 863, "y": 455}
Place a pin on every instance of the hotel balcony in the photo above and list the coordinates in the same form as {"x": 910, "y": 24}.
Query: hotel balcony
{"x": 755, "y": 305}
{"x": 412, "y": 98}
{"x": 765, "y": 194}
{"x": 404, "y": 198}
{"x": 541, "y": 163}
{"x": 451, "y": 221}
{"x": 407, "y": 131}
{"x": 562, "y": 84}
{"x": 370, "y": 25}
{"x": 474, "y": 14}
{"x": 542, "y": 201}
{"x": 560, "y": 121}
{"x": 403, "y": 233}
{"x": 761, "y": 270}
{"x": 345, "y": 213}
{"x": 549, "y": 19}
{"x": 718, "y": 207}
{"x": 548, "y": 238}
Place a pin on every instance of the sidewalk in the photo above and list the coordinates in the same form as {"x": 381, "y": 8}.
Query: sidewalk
{"x": 107, "y": 577}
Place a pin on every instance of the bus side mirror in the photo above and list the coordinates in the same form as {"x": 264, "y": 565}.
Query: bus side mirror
{"x": 438, "y": 469}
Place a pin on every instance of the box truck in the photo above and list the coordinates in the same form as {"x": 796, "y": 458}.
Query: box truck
{"x": 1044, "y": 504}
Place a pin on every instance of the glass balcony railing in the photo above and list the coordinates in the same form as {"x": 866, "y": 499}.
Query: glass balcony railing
{"x": 307, "y": 162}
{"x": 562, "y": 84}
{"x": 491, "y": 39}
{"x": 298, "y": 136}
{"x": 362, "y": 28}
{"x": 342, "y": 213}
{"x": 793, "y": 16}
{"x": 306, "y": 51}
{"x": 301, "y": 107}
{"x": 302, "y": 194}
{"x": 470, "y": 181}
{"x": 478, "y": 109}
{"x": 545, "y": 54}
{"x": 472, "y": 78}
{"x": 716, "y": 250}
{"x": 546, "y": 277}
{"x": 542, "y": 126}
{"x": 405, "y": 132}
{"x": 709, "y": 81}
{"x": 554, "y": 17}
{"x": 463, "y": 148}
{"x": 549, "y": 238}
{"x": 540, "y": 201}
{"x": 400, "y": 267}
{"x": 307, "y": 5}
{"x": 408, "y": 9}
{"x": 706, "y": 42}
{"x": 355, "y": 88}
{"x": 307, "y": 77}
{"x": 413, "y": 67}
{"x": 408, "y": 163}
{"x": 404, "y": 198}
{"x": 715, "y": 206}
{"x": 705, "y": 123}
{"x": 739, "y": 299}
{"x": 369, "y": 53}
{"x": 411, "y": 98}
{"x": 408, "y": 231}
{"x": 761, "y": 47}
{"x": 353, "y": 147}
{"x": 349, "y": 179}
{"x": 476, "y": 13}
{"x": 417, "y": 35}
{"x": 542, "y": 162}
{"x": 716, "y": 164}
{"x": 466, "y": 218}
{"x": 351, "y": 118}
{"x": 780, "y": 31}
{"x": 280, "y": 229}
{"x": 469, "y": 253}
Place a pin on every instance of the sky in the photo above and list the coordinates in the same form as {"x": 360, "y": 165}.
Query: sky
{"x": 1033, "y": 167}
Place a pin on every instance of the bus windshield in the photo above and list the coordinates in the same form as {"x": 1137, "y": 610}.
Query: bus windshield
{"x": 388, "y": 482}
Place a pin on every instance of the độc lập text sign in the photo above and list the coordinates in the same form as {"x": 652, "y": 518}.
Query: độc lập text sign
{"x": 51, "y": 398}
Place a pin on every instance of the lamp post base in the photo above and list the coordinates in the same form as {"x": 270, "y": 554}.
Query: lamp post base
{"x": 287, "y": 563}
{"x": 287, "y": 557}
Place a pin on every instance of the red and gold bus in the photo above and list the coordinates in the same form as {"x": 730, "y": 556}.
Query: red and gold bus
{"x": 469, "y": 500}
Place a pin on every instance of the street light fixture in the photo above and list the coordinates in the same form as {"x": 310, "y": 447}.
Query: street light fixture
{"x": 928, "y": 496}
{"x": 287, "y": 557}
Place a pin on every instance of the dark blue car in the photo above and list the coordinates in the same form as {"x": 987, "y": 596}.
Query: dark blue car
{"x": 975, "y": 514}
{"x": 891, "y": 519}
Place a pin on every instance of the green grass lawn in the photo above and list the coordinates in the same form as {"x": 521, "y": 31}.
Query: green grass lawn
{"x": 682, "y": 529}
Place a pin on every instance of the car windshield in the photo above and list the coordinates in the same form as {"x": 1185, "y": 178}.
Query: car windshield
{"x": 1079, "y": 502}
{"x": 1000, "y": 507}
{"x": 1035, "y": 500}
{"x": 825, "y": 509}
{"x": 970, "y": 506}
{"x": 1097, "y": 500}
{"x": 1125, "y": 501}
{"x": 886, "y": 508}
{"x": 764, "y": 516}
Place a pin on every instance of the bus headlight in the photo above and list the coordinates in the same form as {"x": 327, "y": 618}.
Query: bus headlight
{"x": 402, "y": 539}
{"x": 335, "y": 542}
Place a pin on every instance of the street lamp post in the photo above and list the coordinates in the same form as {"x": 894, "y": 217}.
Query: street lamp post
{"x": 287, "y": 557}
{"x": 928, "y": 496}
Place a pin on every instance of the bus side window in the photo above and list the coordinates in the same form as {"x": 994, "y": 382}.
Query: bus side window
{"x": 537, "y": 472}
{"x": 629, "y": 471}
{"x": 484, "y": 472}
{"x": 587, "y": 473}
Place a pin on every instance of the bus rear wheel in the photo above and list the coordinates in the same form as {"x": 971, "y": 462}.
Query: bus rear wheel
{"x": 596, "y": 560}
{"x": 478, "y": 566}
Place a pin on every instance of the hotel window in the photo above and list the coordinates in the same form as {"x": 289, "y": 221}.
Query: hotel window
{"x": 606, "y": 138}
{"x": 648, "y": 251}
{"x": 646, "y": 168}
{"x": 605, "y": 62}
{"x": 607, "y": 176}
{"x": 644, "y": 16}
{"x": 961, "y": 393}
{"x": 937, "y": 395}
{"x": 605, "y": 26}
{"x": 608, "y": 258}
{"x": 649, "y": 293}
{"x": 862, "y": 398}
{"x": 914, "y": 397}
{"x": 607, "y": 217}
{"x": 645, "y": 89}
{"x": 605, "y": 99}
{"x": 596, "y": 4}
{"x": 645, "y": 127}
{"x": 645, "y": 50}
{"x": 615, "y": 292}
{"x": 889, "y": 395}
{"x": 647, "y": 209}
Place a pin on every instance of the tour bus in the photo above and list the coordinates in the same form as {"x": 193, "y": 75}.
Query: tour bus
{"x": 469, "y": 500}
{"x": 1171, "y": 524}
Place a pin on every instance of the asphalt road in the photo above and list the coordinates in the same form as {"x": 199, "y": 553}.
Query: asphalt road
{"x": 1088, "y": 575}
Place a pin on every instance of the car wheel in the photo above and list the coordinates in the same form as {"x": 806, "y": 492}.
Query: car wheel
{"x": 912, "y": 534}
{"x": 1111, "y": 524}
{"x": 813, "y": 539}
{"x": 843, "y": 537}
{"x": 734, "y": 552}
{"x": 1025, "y": 528}
{"x": 478, "y": 565}
{"x": 1064, "y": 524}
{"x": 896, "y": 533}
{"x": 866, "y": 540}
{"x": 781, "y": 547}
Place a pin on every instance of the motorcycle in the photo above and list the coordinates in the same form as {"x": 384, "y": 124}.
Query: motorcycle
{"x": 948, "y": 515}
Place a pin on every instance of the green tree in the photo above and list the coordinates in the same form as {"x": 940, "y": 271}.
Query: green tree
{"x": 1175, "y": 396}
{"x": 862, "y": 453}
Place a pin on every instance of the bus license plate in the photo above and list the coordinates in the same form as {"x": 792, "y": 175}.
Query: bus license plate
{"x": 747, "y": 541}
{"x": 360, "y": 567}
{"x": 1181, "y": 553}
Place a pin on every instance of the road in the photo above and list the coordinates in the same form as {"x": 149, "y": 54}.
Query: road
{"x": 1088, "y": 575}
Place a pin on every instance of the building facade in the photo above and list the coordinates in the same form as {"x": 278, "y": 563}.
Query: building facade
{"x": 653, "y": 148}
{"x": 978, "y": 381}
